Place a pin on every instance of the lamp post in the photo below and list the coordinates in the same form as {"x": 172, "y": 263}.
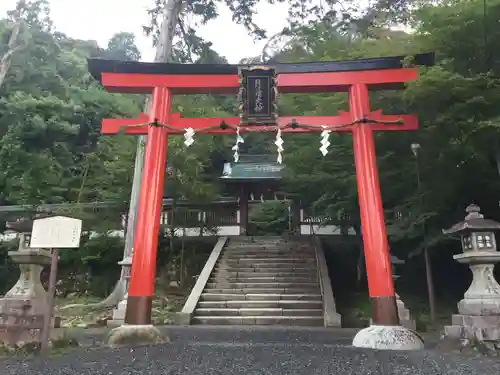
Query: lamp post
{"x": 415, "y": 148}
{"x": 479, "y": 311}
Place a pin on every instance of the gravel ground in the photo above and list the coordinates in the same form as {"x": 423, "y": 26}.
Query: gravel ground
{"x": 272, "y": 351}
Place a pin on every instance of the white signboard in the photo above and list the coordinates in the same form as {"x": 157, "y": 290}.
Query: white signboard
{"x": 57, "y": 232}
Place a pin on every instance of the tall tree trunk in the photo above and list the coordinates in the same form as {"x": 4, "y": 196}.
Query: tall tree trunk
{"x": 182, "y": 261}
{"x": 163, "y": 52}
{"x": 497, "y": 155}
{"x": 12, "y": 46}
{"x": 430, "y": 286}
{"x": 360, "y": 267}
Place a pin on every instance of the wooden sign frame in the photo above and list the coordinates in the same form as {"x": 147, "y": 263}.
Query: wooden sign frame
{"x": 258, "y": 94}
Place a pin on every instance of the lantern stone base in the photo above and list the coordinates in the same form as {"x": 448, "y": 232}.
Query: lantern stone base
{"x": 388, "y": 338}
{"x": 479, "y": 307}
{"x": 482, "y": 328}
{"x": 404, "y": 315}
{"x": 119, "y": 314}
{"x": 121, "y": 308}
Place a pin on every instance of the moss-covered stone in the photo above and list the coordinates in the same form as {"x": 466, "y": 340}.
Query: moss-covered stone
{"x": 20, "y": 349}
{"x": 132, "y": 335}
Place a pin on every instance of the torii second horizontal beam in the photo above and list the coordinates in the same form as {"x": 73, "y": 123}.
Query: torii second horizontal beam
{"x": 340, "y": 123}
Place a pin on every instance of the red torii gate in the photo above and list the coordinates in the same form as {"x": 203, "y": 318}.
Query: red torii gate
{"x": 163, "y": 80}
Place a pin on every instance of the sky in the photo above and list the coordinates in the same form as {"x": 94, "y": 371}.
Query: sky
{"x": 100, "y": 19}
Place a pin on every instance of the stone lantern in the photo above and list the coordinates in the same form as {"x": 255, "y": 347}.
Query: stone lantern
{"x": 119, "y": 312}
{"x": 404, "y": 314}
{"x": 479, "y": 311}
{"x": 28, "y": 294}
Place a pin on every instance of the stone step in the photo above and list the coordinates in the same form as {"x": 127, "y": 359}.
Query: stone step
{"x": 236, "y": 274}
{"x": 257, "y": 312}
{"x": 263, "y": 285}
{"x": 286, "y": 268}
{"x": 266, "y": 239}
{"x": 260, "y": 320}
{"x": 282, "y": 260}
{"x": 256, "y": 238}
{"x": 262, "y": 244}
{"x": 311, "y": 290}
{"x": 270, "y": 264}
{"x": 254, "y": 253}
{"x": 278, "y": 252}
{"x": 280, "y": 245}
{"x": 243, "y": 304}
{"x": 272, "y": 258}
{"x": 232, "y": 296}
{"x": 245, "y": 262}
{"x": 229, "y": 274}
{"x": 263, "y": 281}
{"x": 258, "y": 279}
{"x": 262, "y": 249}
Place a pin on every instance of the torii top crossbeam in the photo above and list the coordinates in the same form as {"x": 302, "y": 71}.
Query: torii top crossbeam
{"x": 258, "y": 88}
{"x": 326, "y": 76}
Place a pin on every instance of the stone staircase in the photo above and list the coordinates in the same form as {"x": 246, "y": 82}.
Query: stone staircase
{"x": 263, "y": 281}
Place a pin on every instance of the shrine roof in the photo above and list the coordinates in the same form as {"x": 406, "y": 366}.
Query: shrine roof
{"x": 99, "y": 66}
{"x": 253, "y": 168}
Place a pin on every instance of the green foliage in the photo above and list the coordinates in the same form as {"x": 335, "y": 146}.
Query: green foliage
{"x": 122, "y": 47}
{"x": 92, "y": 269}
{"x": 464, "y": 34}
{"x": 268, "y": 218}
{"x": 51, "y": 110}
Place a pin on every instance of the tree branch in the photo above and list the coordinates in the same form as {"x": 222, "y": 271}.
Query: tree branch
{"x": 12, "y": 46}
{"x": 186, "y": 38}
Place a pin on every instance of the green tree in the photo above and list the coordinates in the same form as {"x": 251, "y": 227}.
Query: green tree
{"x": 122, "y": 46}
{"x": 50, "y": 147}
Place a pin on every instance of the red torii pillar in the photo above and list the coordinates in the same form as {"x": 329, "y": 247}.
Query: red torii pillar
{"x": 142, "y": 277}
{"x": 377, "y": 257}
{"x": 363, "y": 122}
